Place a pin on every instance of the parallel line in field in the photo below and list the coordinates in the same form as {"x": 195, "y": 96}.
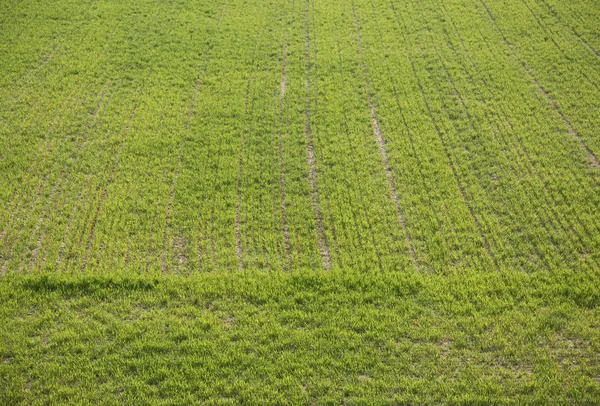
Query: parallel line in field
{"x": 152, "y": 228}
{"x": 44, "y": 217}
{"x": 555, "y": 14}
{"x": 361, "y": 197}
{"x": 592, "y": 158}
{"x": 354, "y": 153}
{"x": 284, "y": 226}
{"x": 382, "y": 149}
{"x": 43, "y": 150}
{"x": 79, "y": 203}
{"x": 139, "y": 193}
{"x": 410, "y": 137}
{"x": 38, "y": 194}
{"x": 109, "y": 182}
{"x": 40, "y": 66}
{"x": 238, "y": 207}
{"x": 310, "y": 157}
{"x": 520, "y": 143}
{"x": 96, "y": 58}
{"x": 562, "y": 51}
{"x": 326, "y": 192}
{"x": 521, "y": 151}
{"x": 473, "y": 130}
{"x": 447, "y": 152}
{"x": 181, "y": 147}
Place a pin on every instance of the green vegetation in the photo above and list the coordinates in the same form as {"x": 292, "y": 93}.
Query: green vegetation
{"x": 304, "y": 338}
{"x": 388, "y": 200}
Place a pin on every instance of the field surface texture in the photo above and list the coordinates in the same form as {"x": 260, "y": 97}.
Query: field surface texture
{"x": 302, "y": 201}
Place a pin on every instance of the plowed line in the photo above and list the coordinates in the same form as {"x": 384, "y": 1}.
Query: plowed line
{"x": 593, "y": 160}
{"x": 181, "y": 147}
{"x": 28, "y": 173}
{"x": 447, "y": 153}
{"x": 382, "y": 149}
{"x": 39, "y": 192}
{"x": 555, "y": 14}
{"x": 310, "y": 157}
{"x": 238, "y": 207}
{"x": 108, "y": 183}
{"x": 286, "y": 235}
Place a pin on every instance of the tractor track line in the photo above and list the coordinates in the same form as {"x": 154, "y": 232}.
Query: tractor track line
{"x": 591, "y": 157}
{"x": 382, "y": 149}
{"x": 447, "y": 152}
{"x": 39, "y": 192}
{"x": 238, "y": 207}
{"x": 285, "y": 231}
{"x": 310, "y": 156}
{"x": 181, "y": 147}
{"x": 110, "y": 178}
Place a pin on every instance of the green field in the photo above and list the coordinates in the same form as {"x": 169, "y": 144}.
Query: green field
{"x": 304, "y": 202}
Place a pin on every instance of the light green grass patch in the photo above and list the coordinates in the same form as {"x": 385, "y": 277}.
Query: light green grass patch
{"x": 301, "y": 338}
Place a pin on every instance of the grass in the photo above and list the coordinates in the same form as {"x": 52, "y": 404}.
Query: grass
{"x": 300, "y": 338}
{"x": 303, "y": 202}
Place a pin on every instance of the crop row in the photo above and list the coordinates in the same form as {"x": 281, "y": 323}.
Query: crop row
{"x": 370, "y": 135}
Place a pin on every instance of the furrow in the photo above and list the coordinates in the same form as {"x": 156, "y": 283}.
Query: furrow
{"x": 382, "y": 149}
{"x": 310, "y": 158}
{"x": 591, "y": 157}
{"x": 285, "y": 231}
{"x": 181, "y": 147}
{"x": 448, "y": 156}
{"x": 109, "y": 182}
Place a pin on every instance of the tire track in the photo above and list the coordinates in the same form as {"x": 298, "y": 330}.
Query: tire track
{"x": 285, "y": 231}
{"x": 446, "y": 151}
{"x": 555, "y": 14}
{"x": 111, "y": 177}
{"x": 238, "y": 207}
{"x": 58, "y": 182}
{"x": 382, "y": 149}
{"x": 310, "y": 156}
{"x": 591, "y": 157}
{"x": 521, "y": 151}
{"x": 181, "y": 147}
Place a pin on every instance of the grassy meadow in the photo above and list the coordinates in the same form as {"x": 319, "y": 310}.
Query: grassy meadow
{"x": 299, "y": 202}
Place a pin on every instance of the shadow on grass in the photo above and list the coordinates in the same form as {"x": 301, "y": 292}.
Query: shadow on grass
{"x": 86, "y": 286}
